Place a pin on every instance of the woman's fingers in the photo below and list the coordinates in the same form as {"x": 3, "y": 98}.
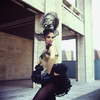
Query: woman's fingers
{"x": 56, "y": 74}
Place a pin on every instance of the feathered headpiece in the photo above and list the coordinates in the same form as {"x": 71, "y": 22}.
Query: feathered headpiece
{"x": 50, "y": 21}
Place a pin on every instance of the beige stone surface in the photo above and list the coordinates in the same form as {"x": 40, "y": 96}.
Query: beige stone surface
{"x": 15, "y": 57}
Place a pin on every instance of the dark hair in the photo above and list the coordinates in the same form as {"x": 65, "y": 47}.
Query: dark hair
{"x": 46, "y": 31}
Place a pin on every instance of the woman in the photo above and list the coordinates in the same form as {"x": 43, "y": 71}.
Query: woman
{"x": 54, "y": 80}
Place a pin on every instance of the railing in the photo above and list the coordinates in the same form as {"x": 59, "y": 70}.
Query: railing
{"x": 68, "y": 6}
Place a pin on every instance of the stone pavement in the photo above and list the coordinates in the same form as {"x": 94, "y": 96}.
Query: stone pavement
{"x": 21, "y": 90}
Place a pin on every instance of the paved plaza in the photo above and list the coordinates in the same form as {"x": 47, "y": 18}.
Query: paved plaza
{"x": 22, "y": 90}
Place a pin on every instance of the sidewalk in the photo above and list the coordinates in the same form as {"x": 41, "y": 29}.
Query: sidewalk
{"x": 21, "y": 90}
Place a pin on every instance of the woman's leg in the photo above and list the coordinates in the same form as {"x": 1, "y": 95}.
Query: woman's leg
{"x": 53, "y": 97}
{"x": 46, "y": 92}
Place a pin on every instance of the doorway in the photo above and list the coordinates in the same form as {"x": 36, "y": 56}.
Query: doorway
{"x": 16, "y": 44}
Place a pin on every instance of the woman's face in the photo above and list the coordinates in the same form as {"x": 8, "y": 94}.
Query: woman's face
{"x": 49, "y": 38}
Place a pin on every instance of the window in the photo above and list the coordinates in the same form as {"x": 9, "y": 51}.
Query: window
{"x": 73, "y": 2}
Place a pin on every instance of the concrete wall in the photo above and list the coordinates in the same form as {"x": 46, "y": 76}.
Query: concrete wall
{"x": 15, "y": 57}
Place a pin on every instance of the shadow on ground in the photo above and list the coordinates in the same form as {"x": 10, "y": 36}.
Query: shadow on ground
{"x": 95, "y": 95}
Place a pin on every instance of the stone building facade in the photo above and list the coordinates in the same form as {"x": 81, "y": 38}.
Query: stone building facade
{"x": 20, "y": 49}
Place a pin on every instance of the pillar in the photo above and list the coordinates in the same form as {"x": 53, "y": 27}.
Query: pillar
{"x": 89, "y": 49}
{"x": 80, "y": 54}
{"x": 56, "y": 6}
{"x": 38, "y": 45}
{"x": 85, "y": 59}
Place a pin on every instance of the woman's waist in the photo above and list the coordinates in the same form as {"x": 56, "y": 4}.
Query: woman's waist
{"x": 45, "y": 64}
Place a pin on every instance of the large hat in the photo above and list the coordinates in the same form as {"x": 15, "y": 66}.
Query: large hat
{"x": 50, "y": 21}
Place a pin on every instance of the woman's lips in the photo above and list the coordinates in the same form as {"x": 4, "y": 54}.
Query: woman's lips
{"x": 50, "y": 42}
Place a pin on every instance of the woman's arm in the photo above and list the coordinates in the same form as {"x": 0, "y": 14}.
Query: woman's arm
{"x": 51, "y": 59}
{"x": 39, "y": 62}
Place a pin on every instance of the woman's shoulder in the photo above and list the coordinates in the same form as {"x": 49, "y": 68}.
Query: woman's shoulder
{"x": 52, "y": 47}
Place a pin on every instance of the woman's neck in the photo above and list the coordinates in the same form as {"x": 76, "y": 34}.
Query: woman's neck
{"x": 48, "y": 46}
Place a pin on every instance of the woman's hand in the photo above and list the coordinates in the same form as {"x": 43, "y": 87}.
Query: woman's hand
{"x": 56, "y": 74}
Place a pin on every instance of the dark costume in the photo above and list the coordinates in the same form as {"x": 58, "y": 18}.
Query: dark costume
{"x": 60, "y": 85}
{"x": 51, "y": 85}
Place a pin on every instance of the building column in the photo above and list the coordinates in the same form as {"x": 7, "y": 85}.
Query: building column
{"x": 58, "y": 42}
{"x": 38, "y": 45}
{"x": 85, "y": 59}
{"x": 56, "y": 6}
{"x": 80, "y": 67}
{"x": 89, "y": 49}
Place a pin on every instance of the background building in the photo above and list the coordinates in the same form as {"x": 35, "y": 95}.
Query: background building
{"x": 67, "y": 55}
{"x": 20, "y": 49}
{"x": 97, "y": 54}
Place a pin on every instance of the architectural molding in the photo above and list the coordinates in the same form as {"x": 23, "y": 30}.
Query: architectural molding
{"x": 17, "y": 23}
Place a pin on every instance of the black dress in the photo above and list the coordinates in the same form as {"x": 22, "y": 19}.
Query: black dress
{"x": 61, "y": 81}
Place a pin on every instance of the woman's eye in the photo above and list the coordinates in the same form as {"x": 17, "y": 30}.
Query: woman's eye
{"x": 48, "y": 36}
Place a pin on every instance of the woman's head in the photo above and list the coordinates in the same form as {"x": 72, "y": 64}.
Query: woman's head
{"x": 48, "y": 36}
{"x": 49, "y": 23}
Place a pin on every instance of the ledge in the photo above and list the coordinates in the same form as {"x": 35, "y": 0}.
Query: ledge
{"x": 68, "y": 6}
